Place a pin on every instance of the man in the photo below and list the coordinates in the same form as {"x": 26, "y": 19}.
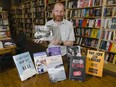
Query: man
{"x": 64, "y": 33}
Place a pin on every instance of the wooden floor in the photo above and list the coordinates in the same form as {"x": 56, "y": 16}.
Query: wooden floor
{"x": 10, "y": 78}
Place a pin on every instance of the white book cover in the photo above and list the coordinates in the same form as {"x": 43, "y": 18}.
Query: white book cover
{"x": 40, "y": 62}
{"x": 56, "y": 70}
{"x": 24, "y": 65}
{"x": 44, "y": 33}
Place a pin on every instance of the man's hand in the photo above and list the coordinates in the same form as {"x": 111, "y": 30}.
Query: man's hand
{"x": 56, "y": 42}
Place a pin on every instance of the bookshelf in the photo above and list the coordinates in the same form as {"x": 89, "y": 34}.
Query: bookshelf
{"x": 94, "y": 22}
{"x": 4, "y": 25}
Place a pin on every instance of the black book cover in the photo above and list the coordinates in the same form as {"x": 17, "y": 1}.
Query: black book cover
{"x": 77, "y": 68}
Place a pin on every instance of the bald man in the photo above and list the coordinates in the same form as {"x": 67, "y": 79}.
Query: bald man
{"x": 64, "y": 32}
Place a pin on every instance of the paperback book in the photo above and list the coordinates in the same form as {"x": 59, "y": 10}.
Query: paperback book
{"x": 77, "y": 68}
{"x": 56, "y": 70}
{"x": 40, "y": 62}
{"x": 52, "y": 51}
{"x": 24, "y": 65}
{"x": 95, "y": 62}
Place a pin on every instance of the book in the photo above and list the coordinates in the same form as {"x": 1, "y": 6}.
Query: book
{"x": 8, "y": 42}
{"x": 24, "y": 65}
{"x": 56, "y": 70}
{"x": 40, "y": 62}
{"x": 43, "y": 33}
{"x": 73, "y": 51}
{"x": 77, "y": 68}
{"x": 52, "y": 51}
{"x": 94, "y": 62}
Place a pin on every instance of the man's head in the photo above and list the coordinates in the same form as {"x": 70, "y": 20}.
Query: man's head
{"x": 58, "y": 12}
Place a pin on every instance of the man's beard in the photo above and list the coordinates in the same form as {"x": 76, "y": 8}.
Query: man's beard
{"x": 58, "y": 18}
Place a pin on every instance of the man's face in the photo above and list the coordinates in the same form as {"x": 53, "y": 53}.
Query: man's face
{"x": 58, "y": 13}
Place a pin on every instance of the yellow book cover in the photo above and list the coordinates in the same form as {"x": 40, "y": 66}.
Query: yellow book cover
{"x": 114, "y": 60}
{"x": 94, "y": 33}
{"x": 95, "y": 62}
{"x": 113, "y": 48}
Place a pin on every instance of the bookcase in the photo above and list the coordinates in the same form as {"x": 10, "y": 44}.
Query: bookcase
{"x": 4, "y": 25}
{"x": 94, "y": 23}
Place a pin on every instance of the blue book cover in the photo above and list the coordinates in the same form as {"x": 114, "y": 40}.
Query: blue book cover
{"x": 40, "y": 62}
{"x": 54, "y": 51}
{"x": 24, "y": 65}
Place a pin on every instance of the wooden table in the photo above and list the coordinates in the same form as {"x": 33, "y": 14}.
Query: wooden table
{"x": 11, "y": 78}
{"x": 10, "y": 49}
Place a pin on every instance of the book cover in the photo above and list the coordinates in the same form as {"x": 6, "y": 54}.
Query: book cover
{"x": 24, "y": 65}
{"x": 52, "y": 51}
{"x": 43, "y": 33}
{"x": 113, "y": 48}
{"x": 40, "y": 62}
{"x": 56, "y": 70}
{"x": 94, "y": 33}
{"x": 77, "y": 68}
{"x": 94, "y": 62}
{"x": 73, "y": 51}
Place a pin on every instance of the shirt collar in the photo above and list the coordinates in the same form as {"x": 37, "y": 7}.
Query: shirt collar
{"x": 62, "y": 22}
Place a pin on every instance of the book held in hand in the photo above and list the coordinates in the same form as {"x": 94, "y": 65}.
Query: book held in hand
{"x": 24, "y": 65}
{"x": 40, "y": 62}
{"x": 56, "y": 70}
{"x": 77, "y": 68}
{"x": 43, "y": 33}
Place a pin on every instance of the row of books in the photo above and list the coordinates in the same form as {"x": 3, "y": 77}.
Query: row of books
{"x": 94, "y": 23}
{"x": 108, "y": 46}
{"x": 51, "y": 62}
{"x": 107, "y": 35}
{"x": 88, "y": 42}
{"x": 88, "y": 12}
{"x": 110, "y": 11}
{"x": 109, "y": 23}
{"x": 86, "y": 32}
{"x": 111, "y": 2}
{"x": 84, "y": 3}
{"x": 110, "y": 57}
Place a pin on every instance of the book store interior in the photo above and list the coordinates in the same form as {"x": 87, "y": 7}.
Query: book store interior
{"x": 57, "y": 43}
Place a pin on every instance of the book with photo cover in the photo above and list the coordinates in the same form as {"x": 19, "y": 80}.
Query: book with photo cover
{"x": 44, "y": 33}
{"x": 56, "y": 70}
{"x": 24, "y": 65}
{"x": 77, "y": 68}
{"x": 73, "y": 51}
{"x": 40, "y": 62}
{"x": 52, "y": 51}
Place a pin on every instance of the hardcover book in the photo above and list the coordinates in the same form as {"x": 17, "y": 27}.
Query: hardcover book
{"x": 52, "y": 51}
{"x": 43, "y": 33}
{"x": 24, "y": 65}
{"x": 56, "y": 70}
{"x": 77, "y": 68}
{"x": 40, "y": 62}
{"x": 95, "y": 62}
